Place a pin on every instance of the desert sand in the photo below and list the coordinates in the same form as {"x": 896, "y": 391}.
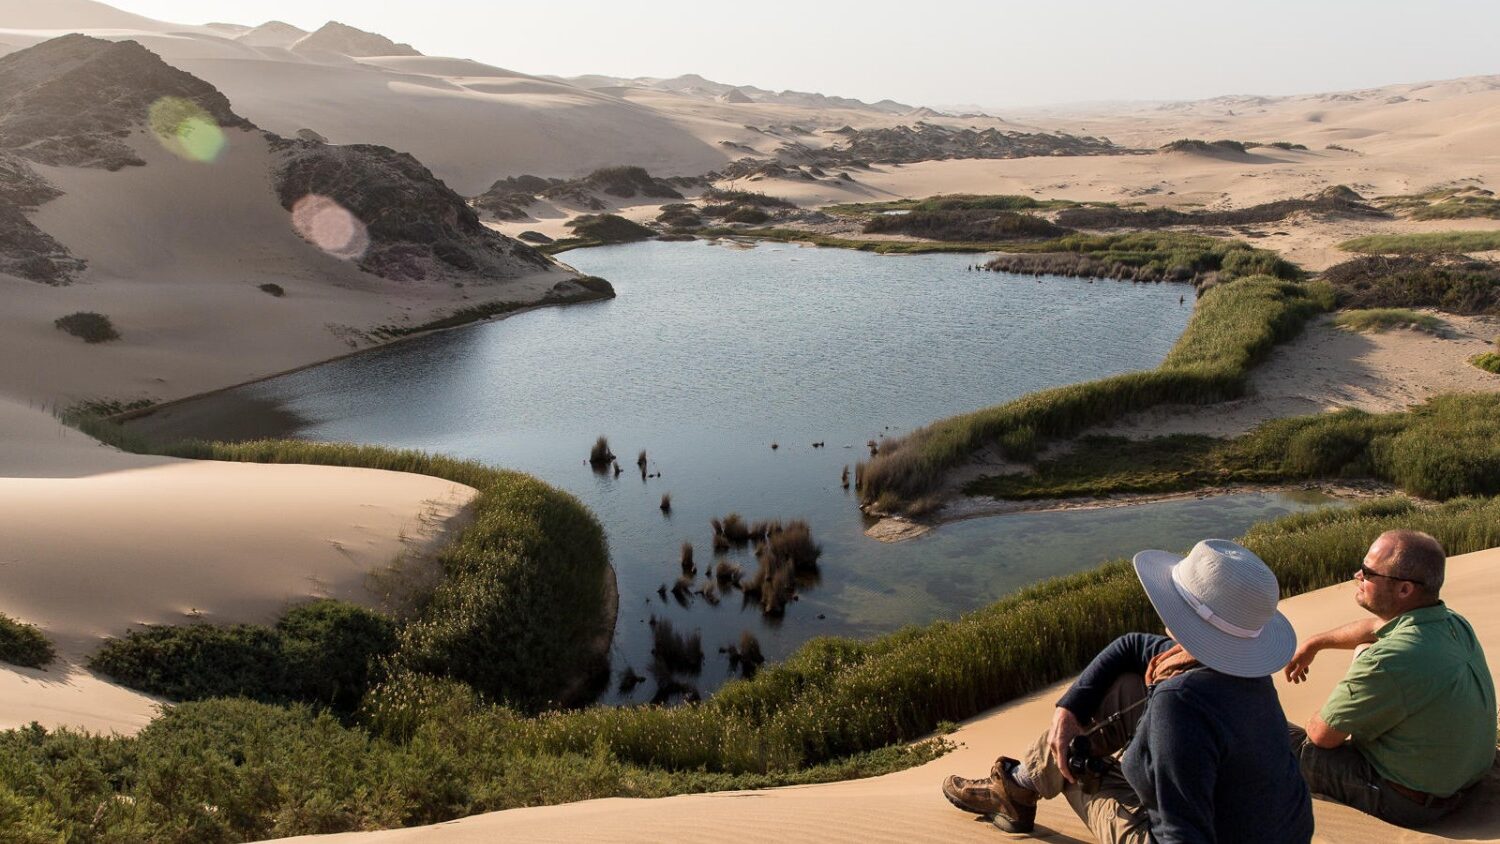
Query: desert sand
{"x": 907, "y": 806}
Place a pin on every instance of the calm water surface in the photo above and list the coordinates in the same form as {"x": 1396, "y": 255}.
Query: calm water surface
{"x": 709, "y": 356}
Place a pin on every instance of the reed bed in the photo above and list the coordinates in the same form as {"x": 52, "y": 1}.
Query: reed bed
{"x": 1424, "y": 243}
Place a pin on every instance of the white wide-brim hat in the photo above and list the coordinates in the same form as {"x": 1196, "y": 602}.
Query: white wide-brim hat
{"x": 1219, "y": 602}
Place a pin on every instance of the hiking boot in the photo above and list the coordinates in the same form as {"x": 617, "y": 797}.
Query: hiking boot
{"x": 1015, "y": 809}
{"x": 977, "y": 796}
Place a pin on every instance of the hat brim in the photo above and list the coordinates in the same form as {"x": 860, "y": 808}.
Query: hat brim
{"x": 1258, "y": 657}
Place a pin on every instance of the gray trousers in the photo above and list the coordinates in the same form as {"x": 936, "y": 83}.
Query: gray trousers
{"x": 1112, "y": 811}
{"x": 1343, "y": 774}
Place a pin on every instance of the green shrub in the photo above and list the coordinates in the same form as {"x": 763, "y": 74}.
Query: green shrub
{"x": 197, "y": 661}
{"x": 1146, "y": 256}
{"x": 1381, "y": 319}
{"x": 608, "y": 228}
{"x": 1488, "y": 361}
{"x": 330, "y": 649}
{"x": 23, "y": 644}
{"x": 89, "y": 326}
{"x": 746, "y": 214}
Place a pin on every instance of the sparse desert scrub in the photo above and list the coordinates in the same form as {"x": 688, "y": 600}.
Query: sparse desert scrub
{"x": 1451, "y": 203}
{"x": 1424, "y": 243}
{"x": 1488, "y": 361}
{"x": 1234, "y": 326}
{"x": 23, "y": 644}
{"x": 88, "y": 326}
{"x": 1382, "y": 319}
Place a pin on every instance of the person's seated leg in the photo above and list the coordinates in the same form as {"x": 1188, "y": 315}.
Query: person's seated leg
{"x": 1113, "y": 813}
{"x": 1344, "y": 775}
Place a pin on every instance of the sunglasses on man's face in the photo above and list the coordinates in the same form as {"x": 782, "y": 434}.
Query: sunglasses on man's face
{"x": 1366, "y": 572}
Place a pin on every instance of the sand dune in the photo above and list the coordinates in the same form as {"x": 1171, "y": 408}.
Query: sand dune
{"x": 907, "y": 806}
{"x": 98, "y": 542}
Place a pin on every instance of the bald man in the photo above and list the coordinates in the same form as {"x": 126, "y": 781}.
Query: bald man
{"x": 1411, "y": 726}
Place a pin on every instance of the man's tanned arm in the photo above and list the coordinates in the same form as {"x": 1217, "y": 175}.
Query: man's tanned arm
{"x": 1349, "y": 636}
{"x": 1324, "y": 736}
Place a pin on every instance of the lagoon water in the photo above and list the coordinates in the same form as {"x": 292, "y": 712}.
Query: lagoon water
{"x": 711, "y": 354}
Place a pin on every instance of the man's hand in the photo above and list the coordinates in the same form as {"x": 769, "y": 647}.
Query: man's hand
{"x": 1296, "y": 670}
{"x": 1065, "y": 727}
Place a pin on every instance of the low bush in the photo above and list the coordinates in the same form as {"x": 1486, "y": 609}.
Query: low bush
{"x": 599, "y": 230}
{"x": 746, "y": 214}
{"x": 1234, "y": 326}
{"x": 88, "y": 326}
{"x": 322, "y": 652}
{"x": 740, "y": 197}
{"x": 1452, "y": 203}
{"x": 1382, "y": 319}
{"x": 273, "y": 288}
{"x": 1334, "y": 201}
{"x": 1424, "y": 243}
{"x": 1488, "y": 361}
{"x": 1455, "y": 284}
{"x": 23, "y": 644}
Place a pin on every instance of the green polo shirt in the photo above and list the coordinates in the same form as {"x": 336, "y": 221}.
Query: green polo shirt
{"x": 1419, "y": 703}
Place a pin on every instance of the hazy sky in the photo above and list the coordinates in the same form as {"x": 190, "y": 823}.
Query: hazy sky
{"x": 934, "y": 52}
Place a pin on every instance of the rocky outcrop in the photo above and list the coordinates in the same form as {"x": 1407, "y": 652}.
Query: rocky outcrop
{"x": 335, "y": 37}
{"x": 75, "y": 100}
{"x": 31, "y": 253}
{"x": 417, "y": 227}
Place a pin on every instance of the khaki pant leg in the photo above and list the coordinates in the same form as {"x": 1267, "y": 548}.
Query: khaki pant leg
{"x": 1042, "y": 766}
{"x": 1113, "y": 813}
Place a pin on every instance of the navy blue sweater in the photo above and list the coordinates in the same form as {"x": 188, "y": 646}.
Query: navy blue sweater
{"x": 1210, "y": 759}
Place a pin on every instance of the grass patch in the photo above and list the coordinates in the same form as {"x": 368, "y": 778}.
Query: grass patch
{"x": 1384, "y": 319}
{"x": 1446, "y": 448}
{"x": 428, "y": 750}
{"x": 1488, "y": 361}
{"x": 1234, "y": 326}
{"x": 1423, "y": 243}
{"x": 23, "y": 644}
{"x": 88, "y": 326}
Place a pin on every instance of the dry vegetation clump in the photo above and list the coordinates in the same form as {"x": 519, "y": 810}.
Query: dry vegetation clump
{"x": 88, "y": 326}
{"x": 1455, "y": 284}
{"x": 746, "y": 657}
{"x": 727, "y": 574}
{"x": 788, "y": 555}
{"x": 673, "y": 652}
{"x": 600, "y": 455}
{"x": 732, "y": 528}
{"x": 686, "y": 559}
{"x": 666, "y": 502}
{"x": 273, "y": 288}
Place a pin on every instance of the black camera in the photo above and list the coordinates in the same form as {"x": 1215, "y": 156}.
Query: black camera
{"x": 1081, "y": 760}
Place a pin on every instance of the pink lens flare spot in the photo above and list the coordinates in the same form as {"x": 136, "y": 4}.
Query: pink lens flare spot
{"x": 330, "y": 227}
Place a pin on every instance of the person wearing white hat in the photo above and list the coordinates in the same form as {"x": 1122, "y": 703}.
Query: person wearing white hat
{"x": 1179, "y": 739}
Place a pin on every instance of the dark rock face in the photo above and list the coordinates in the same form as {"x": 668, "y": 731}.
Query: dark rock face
{"x": 73, "y": 100}
{"x": 31, "y": 253}
{"x": 418, "y": 228}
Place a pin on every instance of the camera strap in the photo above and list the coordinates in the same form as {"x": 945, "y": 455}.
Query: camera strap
{"x": 1099, "y": 725}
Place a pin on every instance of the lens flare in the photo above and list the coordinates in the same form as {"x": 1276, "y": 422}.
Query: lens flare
{"x": 185, "y": 129}
{"x": 330, "y": 227}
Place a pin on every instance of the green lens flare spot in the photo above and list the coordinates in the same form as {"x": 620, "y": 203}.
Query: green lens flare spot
{"x": 186, "y": 129}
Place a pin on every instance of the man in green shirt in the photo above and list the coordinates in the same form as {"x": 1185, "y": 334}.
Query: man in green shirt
{"x": 1411, "y": 726}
